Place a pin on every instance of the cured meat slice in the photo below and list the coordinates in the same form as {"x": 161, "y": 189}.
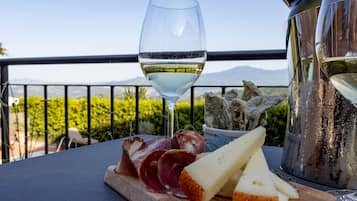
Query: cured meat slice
{"x": 170, "y": 166}
{"x": 148, "y": 172}
{"x": 125, "y": 165}
{"x": 141, "y": 158}
{"x": 190, "y": 141}
{"x": 145, "y": 161}
{"x": 156, "y": 144}
{"x": 134, "y": 150}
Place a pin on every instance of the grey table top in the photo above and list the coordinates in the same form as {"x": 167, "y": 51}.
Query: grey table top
{"x": 76, "y": 174}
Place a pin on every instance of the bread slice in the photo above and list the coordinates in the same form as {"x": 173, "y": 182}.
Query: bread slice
{"x": 256, "y": 183}
{"x": 283, "y": 187}
{"x": 202, "y": 179}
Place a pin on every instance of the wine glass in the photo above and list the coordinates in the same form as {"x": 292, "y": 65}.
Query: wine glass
{"x": 172, "y": 49}
{"x": 336, "y": 45}
{"x": 336, "y": 50}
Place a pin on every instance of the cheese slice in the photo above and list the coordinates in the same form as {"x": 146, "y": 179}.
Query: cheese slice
{"x": 202, "y": 179}
{"x": 256, "y": 183}
{"x": 228, "y": 188}
{"x": 283, "y": 187}
{"x": 283, "y": 197}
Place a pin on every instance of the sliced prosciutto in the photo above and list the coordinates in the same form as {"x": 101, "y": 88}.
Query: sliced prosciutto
{"x": 125, "y": 165}
{"x": 190, "y": 141}
{"x": 146, "y": 159}
{"x": 157, "y": 144}
{"x": 142, "y": 158}
{"x": 170, "y": 166}
{"x": 139, "y": 159}
{"x": 148, "y": 172}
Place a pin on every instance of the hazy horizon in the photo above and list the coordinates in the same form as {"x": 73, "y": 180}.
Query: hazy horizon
{"x": 30, "y": 80}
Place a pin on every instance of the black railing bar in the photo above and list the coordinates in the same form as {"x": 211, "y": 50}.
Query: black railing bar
{"x": 133, "y": 58}
{"x": 247, "y": 55}
{"x": 125, "y": 58}
{"x": 89, "y": 115}
{"x": 25, "y": 121}
{"x": 66, "y": 139}
{"x": 137, "y": 91}
{"x": 112, "y": 127}
{"x": 80, "y": 85}
{"x": 5, "y": 117}
{"x": 238, "y": 86}
{"x": 163, "y": 117}
{"x": 223, "y": 90}
{"x": 109, "y": 85}
{"x": 192, "y": 106}
{"x": 45, "y": 97}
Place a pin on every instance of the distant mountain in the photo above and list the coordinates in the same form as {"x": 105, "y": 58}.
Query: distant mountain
{"x": 26, "y": 81}
{"x": 233, "y": 76}
{"x": 236, "y": 75}
{"x": 133, "y": 81}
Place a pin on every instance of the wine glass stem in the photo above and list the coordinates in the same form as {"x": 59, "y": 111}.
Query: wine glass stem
{"x": 170, "y": 119}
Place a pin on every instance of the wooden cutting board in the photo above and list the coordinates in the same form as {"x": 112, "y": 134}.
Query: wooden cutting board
{"x": 133, "y": 190}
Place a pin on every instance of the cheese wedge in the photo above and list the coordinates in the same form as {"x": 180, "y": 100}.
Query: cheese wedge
{"x": 228, "y": 188}
{"x": 283, "y": 197}
{"x": 202, "y": 179}
{"x": 283, "y": 187}
{"x": 256, "y": 183}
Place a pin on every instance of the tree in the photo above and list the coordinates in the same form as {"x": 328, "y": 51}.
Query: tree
{"x": 128, "y": 93}
{"x": 2, "y": 50}
{"x": 142, "y": 92}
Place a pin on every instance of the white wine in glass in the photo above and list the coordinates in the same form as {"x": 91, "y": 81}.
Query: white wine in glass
{"x": 342, "y": 72}
{"x": 172, "y": 49}
{"x": 336, "y": 45}
{"x": 336, "y": 50}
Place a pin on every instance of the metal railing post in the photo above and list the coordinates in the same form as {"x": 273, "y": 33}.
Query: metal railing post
{"x": 26, "y": 120}
{"x": 137, "y": 88}
{"x": 5, "y": 132}
{"x": 112, "y": 128}
{"x": 45, "y": 97}
{"x": 163, "y": 117}
{"x": 223, "y": 90}
{"x": 66, "y": 140}
{"x": 192, "y": 106}
{"x": 89, "y": 115}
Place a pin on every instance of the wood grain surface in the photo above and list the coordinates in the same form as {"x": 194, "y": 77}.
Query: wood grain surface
{"x": 133, "y": 190}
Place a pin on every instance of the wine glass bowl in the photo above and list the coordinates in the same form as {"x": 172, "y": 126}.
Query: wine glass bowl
{"x": 336, "y": 51}
{"x": 172, "y": 50}
{"x": 336, "y": 45}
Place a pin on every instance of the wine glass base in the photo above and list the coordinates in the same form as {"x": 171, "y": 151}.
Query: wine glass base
{"x": 344, "y": 194}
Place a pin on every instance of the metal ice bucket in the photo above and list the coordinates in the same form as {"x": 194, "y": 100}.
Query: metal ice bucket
{"x": 321, "y": 142}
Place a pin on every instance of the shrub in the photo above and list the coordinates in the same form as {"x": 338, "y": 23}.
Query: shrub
{"x": 124, "y": 117}
{"x": 276, "y": 128}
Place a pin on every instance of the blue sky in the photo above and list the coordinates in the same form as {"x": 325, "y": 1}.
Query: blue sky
{"x": 31, "y": 28}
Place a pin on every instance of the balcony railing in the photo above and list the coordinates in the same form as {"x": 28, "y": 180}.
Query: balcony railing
{"x": 132, "y": 58}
